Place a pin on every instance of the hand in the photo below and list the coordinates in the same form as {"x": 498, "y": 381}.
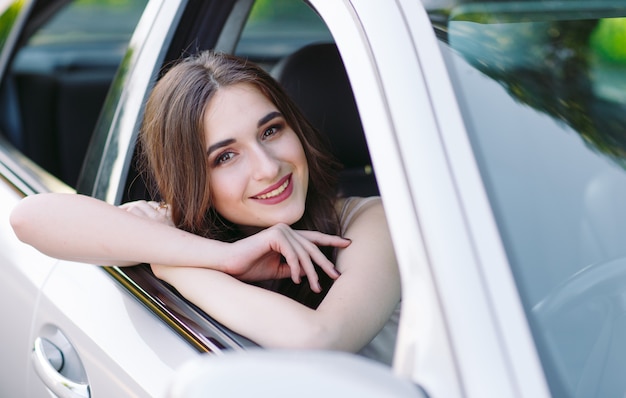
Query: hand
{"x": 155, "y": 211}
{"x": 258, "y": 257}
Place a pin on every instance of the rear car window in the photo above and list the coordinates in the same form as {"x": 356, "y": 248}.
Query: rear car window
{"x": 8, "y": 15}
{"x": 59, "y": 78}
{"x": 90, "y": 21}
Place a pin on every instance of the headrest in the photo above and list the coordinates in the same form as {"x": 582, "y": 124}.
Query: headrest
{"x": 315, "y": 78}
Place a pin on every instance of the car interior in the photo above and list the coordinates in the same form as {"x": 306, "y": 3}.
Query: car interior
{"x": 309, "y": 75}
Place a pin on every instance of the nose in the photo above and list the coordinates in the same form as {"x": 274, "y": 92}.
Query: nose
{"x": 265, "y": 166}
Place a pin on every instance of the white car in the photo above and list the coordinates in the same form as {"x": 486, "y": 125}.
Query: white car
{"x": 495, "y": 133}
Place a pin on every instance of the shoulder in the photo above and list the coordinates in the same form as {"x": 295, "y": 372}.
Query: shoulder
{"x": 363, "y": 221}
{"x": 353, "y": 211}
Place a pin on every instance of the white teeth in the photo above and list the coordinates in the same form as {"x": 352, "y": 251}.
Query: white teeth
{"x": 275, "y": 192}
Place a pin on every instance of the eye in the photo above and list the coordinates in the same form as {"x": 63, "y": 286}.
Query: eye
{"x": 223, "y": 158}
{"x": 270, "y": 131}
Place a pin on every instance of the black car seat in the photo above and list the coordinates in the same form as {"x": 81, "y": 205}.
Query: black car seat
{"x": 55, "y": 112}
{"x": 315, "y": 78}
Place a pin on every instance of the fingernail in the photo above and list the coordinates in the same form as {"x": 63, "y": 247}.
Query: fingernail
{"x": 318, "y": 286}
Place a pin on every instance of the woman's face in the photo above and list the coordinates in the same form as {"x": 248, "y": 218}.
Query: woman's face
{"x": 257, "y": 167}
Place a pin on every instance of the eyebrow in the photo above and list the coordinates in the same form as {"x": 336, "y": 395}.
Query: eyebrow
{"x": 229, "y": 141}
{"x": 219, "y": 145}
{"x": 268, "y": 117}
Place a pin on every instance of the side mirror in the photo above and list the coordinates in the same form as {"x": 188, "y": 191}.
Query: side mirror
{"x": 288, "y": 373}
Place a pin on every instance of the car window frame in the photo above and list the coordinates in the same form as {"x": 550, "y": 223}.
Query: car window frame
{"x": 109, "y": 162}
{"x": 429, "y": 196}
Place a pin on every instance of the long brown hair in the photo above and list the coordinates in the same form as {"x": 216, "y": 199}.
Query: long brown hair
{"x": 173, "y": 152}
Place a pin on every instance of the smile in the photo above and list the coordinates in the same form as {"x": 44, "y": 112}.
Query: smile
{"x": 277, "y": 192}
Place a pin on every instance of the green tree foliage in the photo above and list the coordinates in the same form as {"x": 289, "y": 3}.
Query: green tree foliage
{"x": 7, "y": 19}
{"x": 553, "y": 67}
{"x": 265, "y": 11}
{"x": 609, "y": 40}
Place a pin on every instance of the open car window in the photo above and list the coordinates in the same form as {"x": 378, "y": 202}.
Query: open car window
{"x": 278, "y": 35}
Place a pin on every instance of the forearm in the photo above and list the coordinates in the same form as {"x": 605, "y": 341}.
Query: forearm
{"x": 81, "y": 228}
{"x": 353, "y": 312}
{"x": 266, "y": 317}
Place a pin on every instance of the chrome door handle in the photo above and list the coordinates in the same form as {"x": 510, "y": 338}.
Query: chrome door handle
{"x": 48, "y": 361}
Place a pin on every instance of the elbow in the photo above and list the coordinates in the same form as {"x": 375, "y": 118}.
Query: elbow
{"x": 159, "y": 271}
{"x": 168, "y": 273}
{"x": 23, "y": 221}
{"x": 324, "y": 336}
{"x": 315, "y": 336}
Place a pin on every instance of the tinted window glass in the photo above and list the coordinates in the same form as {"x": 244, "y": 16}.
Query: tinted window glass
{"x": 8, "y": 15}
{"x": 91, "y": 21}
{"x": 542, "y": 87}
{"x": 59, "y": 79}
{"x": 276, "y": 28}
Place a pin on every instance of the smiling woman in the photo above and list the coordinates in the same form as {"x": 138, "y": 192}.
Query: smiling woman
{"x": 251, "y": 212}
{"x": 275, "y": 188}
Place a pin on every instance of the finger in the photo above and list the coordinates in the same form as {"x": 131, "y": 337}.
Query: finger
{"x": 132, "y": 204}
{"x": 309, "y": 253}
{"x": 297, "y": 257}
{"x": 282, "y": 245}
{"x": 151, "y": 210}
{"x": 303, "y": 248}
{"x": 306, "y": 266}
{"x": 140, "y": 210}
{"x": 283, "y": 271}
{"x": 322, "y": 239}
{"x": 319, "y": 258}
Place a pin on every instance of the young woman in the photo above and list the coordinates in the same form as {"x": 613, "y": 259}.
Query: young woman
{"x": 248, "y": 209}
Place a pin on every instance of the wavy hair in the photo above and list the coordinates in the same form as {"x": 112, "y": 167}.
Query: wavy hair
{"x": 173, "y": 152}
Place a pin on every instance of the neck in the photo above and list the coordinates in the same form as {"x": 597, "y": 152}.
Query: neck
{"x": 247, "y": 230}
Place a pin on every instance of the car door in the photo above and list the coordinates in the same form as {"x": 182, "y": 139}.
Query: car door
{"x": 24, "y": 269}
{"x": 533, "y": 305}
{"x": 443, "y": 239}
{"x": 73, "y": 329}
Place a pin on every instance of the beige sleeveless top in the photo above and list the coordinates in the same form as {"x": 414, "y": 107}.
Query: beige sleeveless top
{"x": 382, "y": 346}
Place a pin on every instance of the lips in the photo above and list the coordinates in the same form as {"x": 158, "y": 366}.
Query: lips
{"x": 277, "y": 192}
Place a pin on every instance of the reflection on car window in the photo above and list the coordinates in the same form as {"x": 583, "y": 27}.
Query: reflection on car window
{"x": 543, "y": 94}
{"x": 276, "y": 28}
{"x": 8, "y": 15}
{"x": 91, "y": 21}
{"x": 57, "y": 83}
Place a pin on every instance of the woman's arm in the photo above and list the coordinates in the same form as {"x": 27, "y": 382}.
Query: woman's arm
{"x": 80, "y": 228}
{"x": 355, "y": 309}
